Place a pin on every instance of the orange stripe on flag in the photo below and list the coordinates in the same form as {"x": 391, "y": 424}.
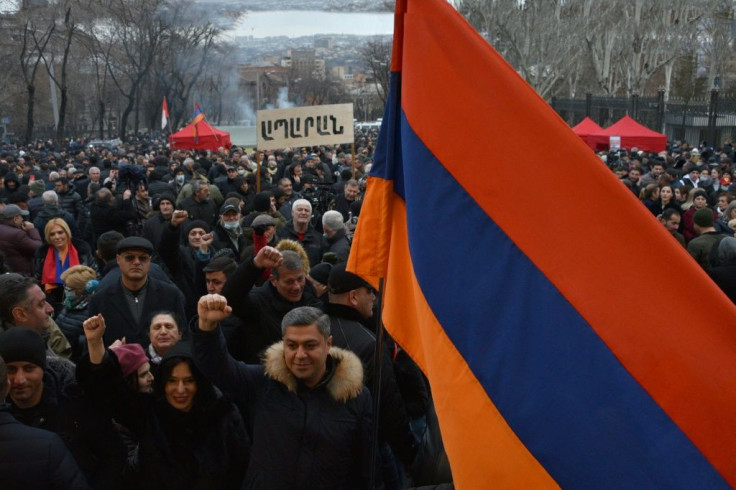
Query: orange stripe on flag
{"x": 659, "y": 331}
{"x": 479, "y": 442}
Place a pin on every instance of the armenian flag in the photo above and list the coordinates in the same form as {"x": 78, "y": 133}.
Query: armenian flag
{"x": 569, "y": 340}
{"x": 198, "y": 117}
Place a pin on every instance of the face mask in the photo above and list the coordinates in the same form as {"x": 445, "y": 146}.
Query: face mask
{"x": 180, "y": 179}
{"x": 231, "y": 225}
{"x": 705, "y": 181}
{"x": 241, "y": 171}
{"x": 70, "y": 298}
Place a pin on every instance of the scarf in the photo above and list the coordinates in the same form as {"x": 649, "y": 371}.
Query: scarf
{"x": 53, "y": 268}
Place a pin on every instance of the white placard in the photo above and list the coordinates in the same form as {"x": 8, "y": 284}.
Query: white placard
{"x": 305, "y": 126}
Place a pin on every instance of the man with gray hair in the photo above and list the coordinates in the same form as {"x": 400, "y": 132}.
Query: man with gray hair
{"x": 262, "y": 308}
{"x": 304, "y": 386}
{"x": 337, "y": 241}
{"x": 50, "y": 210}
{"x": 199, "y": 206}
{"x": 300, "y": 229}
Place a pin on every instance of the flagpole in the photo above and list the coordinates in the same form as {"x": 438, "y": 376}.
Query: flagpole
{"x": 376, "y": 388}
{"x": 352, "y": 160}
{"x": 258, "y": 170}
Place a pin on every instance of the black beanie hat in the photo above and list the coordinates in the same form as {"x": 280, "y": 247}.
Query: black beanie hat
{"x": 197, "y": 223}
{"x": 321, "y": 272}
{"x": 700, "y": 193}
{"x": 21, "y": 344}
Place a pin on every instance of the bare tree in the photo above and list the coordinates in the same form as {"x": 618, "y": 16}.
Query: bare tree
{"x": 34, "y": 40}
{"x": 184, "y": 57}
{"x": 65, "y": 33}
{"x": 137, "y": 34}
{"x": 535, "y": 36}
{"x": 376, "y": 54}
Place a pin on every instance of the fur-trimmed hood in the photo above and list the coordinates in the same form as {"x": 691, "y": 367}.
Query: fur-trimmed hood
{"x": 345, "y": 383}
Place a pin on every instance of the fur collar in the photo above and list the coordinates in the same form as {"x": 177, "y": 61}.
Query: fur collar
{"x": 345, "y": 383}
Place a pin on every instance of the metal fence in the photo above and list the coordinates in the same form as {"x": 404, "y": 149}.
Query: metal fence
{"x": 712, "y": 120}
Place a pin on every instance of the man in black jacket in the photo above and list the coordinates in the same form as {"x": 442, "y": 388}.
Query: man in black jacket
{"x": 263, "y": 308}
{"x": 32, "y": 458}
{"x": 127, "y": 303}
{"x": 48, "y": 399}
{"x": 351, "y": 303}
{"x": 306, "y": 407}
{"x": 107, "y": 215}
{"x": 300, "y": 229}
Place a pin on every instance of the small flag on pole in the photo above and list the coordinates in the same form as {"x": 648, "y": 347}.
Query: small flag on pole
{"x": 198, "y": 117}
{"x": 164, "y": 114}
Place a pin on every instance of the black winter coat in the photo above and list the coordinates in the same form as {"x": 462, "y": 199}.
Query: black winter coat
{"x": 303, "y": 438}
{"x": 393, "y": 421}
{"x": 66, "y": 410}
{"x": 111, "y": 218}
{"x": 261, "y": 309}
{"x": 35, "y": 459}
{"x": 313, "y": 243}
{"x": 181, "y": 264}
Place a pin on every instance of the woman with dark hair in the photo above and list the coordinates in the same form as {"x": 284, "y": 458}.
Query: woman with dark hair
{"x": 189, "y": 436}
{"x": 700, "y": 201}
{"x": 681, "y": 197}
{"x": 649, "y": 196}
{"x": 60, "y": 252}
{"x": 666, "y": 200}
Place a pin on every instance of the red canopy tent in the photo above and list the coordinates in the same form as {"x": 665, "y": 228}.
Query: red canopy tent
{"x": 208, "y": 138}
{"x": 632, "y": 135}
{"x": 586, "y": 129}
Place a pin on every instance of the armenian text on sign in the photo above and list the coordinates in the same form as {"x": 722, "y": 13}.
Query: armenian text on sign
{"x": 305, "y": 126}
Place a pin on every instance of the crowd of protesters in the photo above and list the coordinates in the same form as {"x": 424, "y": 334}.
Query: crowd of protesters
{"x": 171, "y": 321}
{"x": 691, "y": 191}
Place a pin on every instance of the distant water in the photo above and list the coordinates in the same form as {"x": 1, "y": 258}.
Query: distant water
{"x": 298, "y": 23}
{"x": 241, "y": 135}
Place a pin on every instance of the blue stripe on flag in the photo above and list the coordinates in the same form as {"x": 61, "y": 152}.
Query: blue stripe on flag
{"x": 560, "y": 388}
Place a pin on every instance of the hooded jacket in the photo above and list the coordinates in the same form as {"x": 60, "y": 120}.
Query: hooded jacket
{"x": 302, "y": 438}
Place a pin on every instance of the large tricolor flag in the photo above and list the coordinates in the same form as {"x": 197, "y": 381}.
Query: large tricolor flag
{"x": 198, "y": 117}
{"x": 569, "y": 340}
{"x": 164, "y": 114}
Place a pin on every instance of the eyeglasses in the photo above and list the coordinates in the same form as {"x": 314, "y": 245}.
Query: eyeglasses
{"x": 141, "y": 258}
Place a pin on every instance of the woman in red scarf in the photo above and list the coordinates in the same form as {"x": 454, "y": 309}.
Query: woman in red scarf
{"x": 60, "y": 252}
